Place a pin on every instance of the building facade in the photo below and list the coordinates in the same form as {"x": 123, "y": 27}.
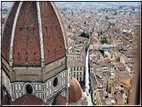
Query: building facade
{"x": 77, "y": 69}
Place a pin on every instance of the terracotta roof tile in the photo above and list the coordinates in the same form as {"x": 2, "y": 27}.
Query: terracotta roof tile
{"x": 5, "y": 100}
{"x": 27, "y": 99}
{"x": 59, "y": 100}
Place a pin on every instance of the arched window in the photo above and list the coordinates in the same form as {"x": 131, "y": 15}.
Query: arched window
{"x": 55, "y": 82}
{"x": 29, "y": 89}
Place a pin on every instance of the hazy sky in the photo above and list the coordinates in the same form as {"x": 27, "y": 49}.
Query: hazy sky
{"x": 114, "y": 3}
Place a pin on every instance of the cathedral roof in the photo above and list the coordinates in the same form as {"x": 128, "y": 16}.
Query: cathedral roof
{"x": 75, "y": 92}
{"x": 59, "y": 100}
{"x": 33, "y": 34}
{"x": 5, "y": 100}
{"x": 27, "y": 99}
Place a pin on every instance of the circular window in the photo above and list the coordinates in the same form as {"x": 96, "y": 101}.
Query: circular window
{"x": 29, "y": 89}
{"x": 55, "y": 82}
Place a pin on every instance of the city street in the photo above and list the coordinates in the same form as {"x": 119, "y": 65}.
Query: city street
{"x": 87, "y": 87}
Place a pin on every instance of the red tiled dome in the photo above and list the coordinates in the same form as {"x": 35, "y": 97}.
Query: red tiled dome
{"x": 59, "y": 100}
{"x": 75, "y": 92}
{"x": 27, "y": 99}
{"x": 33, "y": 32}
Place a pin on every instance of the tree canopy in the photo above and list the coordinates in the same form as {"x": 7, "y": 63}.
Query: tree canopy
{"x": 83, "y": 34}
{"x": 106, "y": 17}
{"x": 5, "y": 11}
{"x": 69, "y": 27}
{"x": 103, "y": 40}
{"x": 105, "y": 56}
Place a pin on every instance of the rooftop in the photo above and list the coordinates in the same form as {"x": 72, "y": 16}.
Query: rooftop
{"x": 76, "y": 63}
{"x": 27, "y": 99}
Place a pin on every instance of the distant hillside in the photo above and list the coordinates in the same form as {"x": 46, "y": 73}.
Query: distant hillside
{"x": 108, "y": 3}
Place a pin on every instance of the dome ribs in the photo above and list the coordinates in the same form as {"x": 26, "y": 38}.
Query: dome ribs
{"x": 7, "y": 33}
{"x": 51, "y": 31}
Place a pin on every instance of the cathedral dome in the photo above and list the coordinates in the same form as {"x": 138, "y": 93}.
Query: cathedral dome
{"x": 33, "y": 35}
{"x": 33, "y": 40}
{"x": 34, "y": 61}
{"x": 59, "y": 100}
{"x": 75, "y": 92}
